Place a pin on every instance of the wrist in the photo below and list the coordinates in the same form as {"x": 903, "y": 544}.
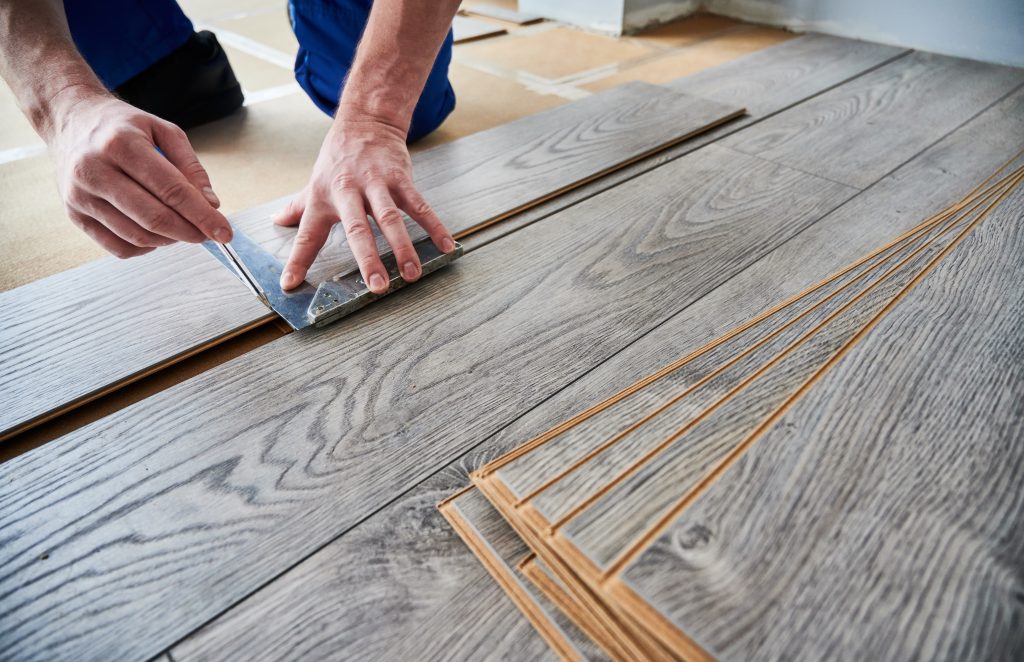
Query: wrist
{"x": 53, "y": 109}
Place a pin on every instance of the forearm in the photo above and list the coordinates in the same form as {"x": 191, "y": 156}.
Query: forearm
{"x": 397, "y": 51}
{"x": 38, "y": 59}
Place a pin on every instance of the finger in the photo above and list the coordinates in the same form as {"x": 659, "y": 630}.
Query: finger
{"x": 314, "y": 228}
{"x": 173, "y": 142}
{"x": 138, "y": 204}
{"x": 121, "y": 225}
{"x": 105, "y": 238}
{"x": 156, "y": 174}
{"x": 392, "y": 226}
{"x": 292, "y": 212}
{"x": 360, "y": 238}
{"x": 413, "y": 204}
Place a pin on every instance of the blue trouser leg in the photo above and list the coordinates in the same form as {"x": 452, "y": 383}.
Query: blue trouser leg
{"x": 122, "y": 38}
{"x": 328, "y": 32}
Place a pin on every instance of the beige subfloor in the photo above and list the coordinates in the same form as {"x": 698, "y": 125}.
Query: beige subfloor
{"x": 266, "y": 150}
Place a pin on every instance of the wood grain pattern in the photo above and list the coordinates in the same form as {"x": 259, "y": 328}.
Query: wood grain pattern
{"x": 492, "y": 174}
{"x": 608, "y": 527}
{"x": 770, "y": 80}
{"x": 400, "y": 583}
{"x": 928, "y": 183}
{"x": 293, "y": 443}
{"x": 883, "y": 513}
{"x": 603, "y": 447}
{"x": 73, "y": 336}
{"x": 400, "y": 586}
{"x": 67, "y": 337}
{"x": 775, "y": 78}
{"x": 881, "y": 119}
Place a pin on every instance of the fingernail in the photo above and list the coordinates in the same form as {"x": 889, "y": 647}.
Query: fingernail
{"x": 447, "y": 245}
{"x": 410, "y": 271}
{"x": 222, "y": 235}
{"x": 211, "y": 196}
{"x": 288, "y": 280}
{"x": 377, "y": 283}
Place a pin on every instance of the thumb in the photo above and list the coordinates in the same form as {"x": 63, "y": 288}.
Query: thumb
{"x": 292, "y": 212}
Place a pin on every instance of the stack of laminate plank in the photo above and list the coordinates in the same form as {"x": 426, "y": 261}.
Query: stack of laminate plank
{"x": 600, "y": 500}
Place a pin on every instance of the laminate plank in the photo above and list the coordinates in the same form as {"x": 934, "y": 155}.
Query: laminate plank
{"x": 927, "y": 184}
{"x": 775, "y": 78}
{"x": 617, "y": 519}
{"x": 486, "y": 177}
{"x": 882, "y": 514}
{"x": 293, "y": 443}
{"x": 66, "y": 338}
{"x": 604, "y": 445}
{"x": 401, "y": 585}
{"x": 182, "y": 300}
{"x": 468, "y": 29}
{"x": 880, "y": 119}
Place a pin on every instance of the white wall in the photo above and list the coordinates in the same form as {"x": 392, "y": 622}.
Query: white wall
{"x": 598, "y": 15}
{"x": 990, "y": 30}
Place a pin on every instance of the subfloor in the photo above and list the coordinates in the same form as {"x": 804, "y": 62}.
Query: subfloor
{"x": 267, "y": 149}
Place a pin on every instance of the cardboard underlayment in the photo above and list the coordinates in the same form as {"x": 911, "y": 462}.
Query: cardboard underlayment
{"x": 555, "y": 53}
{"x": 270, "y": 28}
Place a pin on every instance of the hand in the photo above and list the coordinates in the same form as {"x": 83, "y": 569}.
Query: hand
{"x": 363, "y": 168}
{"x": 120, "y": 190}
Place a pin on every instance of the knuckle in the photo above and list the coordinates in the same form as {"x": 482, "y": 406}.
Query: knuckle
{"x": 113, "y": 143}
{"x": 358, "y": 231}
{"x": 421, "y": 208}
{"x": 83, "y": 169}
{"x": 175, "y": 195}
{"x": 161, "y": 223}
{"x": 345, "y": 182}
{"x": 76, "y": 198}
{"x": 389, "y": 217}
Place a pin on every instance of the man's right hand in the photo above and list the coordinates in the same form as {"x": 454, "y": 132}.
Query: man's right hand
{"x": 118, "y": 188}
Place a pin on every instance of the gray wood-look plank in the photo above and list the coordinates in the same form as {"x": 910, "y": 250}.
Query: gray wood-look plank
{"x": 468, "y": 29}
{"x": 775, "y": 78}
{"x": 609, "y": 526}
{"x": 881, "y": 119}
{"x": 883, "y": 513}
{"x": 155, "y": 519}
{"x": 75, "y": 334}
{"x": 401, "y": 586}
{"x": 69, "y": 336}
{"x": 927, "y": 184}
{"x": 700, "y": 384}
{"x": 491, "y": 174}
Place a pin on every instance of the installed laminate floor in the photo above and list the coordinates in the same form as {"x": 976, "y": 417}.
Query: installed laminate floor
{"x": 282, "y": 504}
